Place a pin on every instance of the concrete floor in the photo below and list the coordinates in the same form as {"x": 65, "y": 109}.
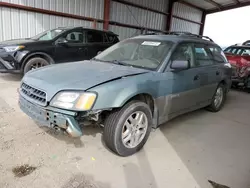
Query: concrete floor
{"x": 186, "y": 152}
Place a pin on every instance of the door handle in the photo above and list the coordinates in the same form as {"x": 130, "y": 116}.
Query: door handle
{"x": 196, "y": 77}
{"x": 217, "y": 73}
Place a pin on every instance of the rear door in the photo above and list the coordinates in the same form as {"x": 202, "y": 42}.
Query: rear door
{"x": 96, "y": 42}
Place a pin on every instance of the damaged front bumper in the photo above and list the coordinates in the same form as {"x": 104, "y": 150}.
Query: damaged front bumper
{"x": 52, "y": 117}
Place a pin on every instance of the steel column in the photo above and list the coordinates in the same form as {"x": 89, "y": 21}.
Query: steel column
{"x": 170, "y": 14}
{"x": 106, "y": 16}
{"x": 203, "y": 20}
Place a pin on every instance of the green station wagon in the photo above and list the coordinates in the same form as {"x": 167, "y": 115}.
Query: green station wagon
{"x": 130, "y": 88}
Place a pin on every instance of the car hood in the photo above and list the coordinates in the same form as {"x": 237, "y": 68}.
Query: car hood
{"x": 77, "y": 76}
{"x": 15, "y": 42}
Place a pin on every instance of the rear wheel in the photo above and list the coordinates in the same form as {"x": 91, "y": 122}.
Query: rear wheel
{"x": 127, "y": 130}
{"x": 218, "y": 99}
{"x": 35, "y": 63}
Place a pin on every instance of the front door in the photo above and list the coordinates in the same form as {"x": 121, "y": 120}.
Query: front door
{"x": 74, "y": 47}
{"x": 209, "y": 72}
{"x": 186, "y": 83}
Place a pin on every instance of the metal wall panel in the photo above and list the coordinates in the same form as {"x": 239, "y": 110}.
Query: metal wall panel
{"x": 160, "y": 5}
{"x": 182, "y": 25}
{"x": 16, "y": 23}
{"x": 89, "y": 8}
{"x": 136, "y": 16}
{"x": 124, "y": 32}
{"x": 187, "y": 12}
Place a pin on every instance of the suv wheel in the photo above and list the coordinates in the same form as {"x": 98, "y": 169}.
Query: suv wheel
{"x": 126, "y": 130}
{"x": 35, "y": 63}
{"x": 218, "y": 99}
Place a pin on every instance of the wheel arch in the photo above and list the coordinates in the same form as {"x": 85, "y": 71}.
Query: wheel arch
{"x": 43, "y": 55}
{"x": 149, "y": 100}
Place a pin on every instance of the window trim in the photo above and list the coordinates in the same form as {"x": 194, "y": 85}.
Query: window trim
{"x": 64, "y": 35}
{"x": 215, "y": 61}
{"x": 209, "y": 53}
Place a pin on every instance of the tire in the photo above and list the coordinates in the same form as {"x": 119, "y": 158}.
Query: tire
{"x": 214, "y": 106}
{"x": 34, "y": 63}
{"x": 114, "y": 127}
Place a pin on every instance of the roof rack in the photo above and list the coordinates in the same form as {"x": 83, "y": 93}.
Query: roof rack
{"x": 179, "y": 33}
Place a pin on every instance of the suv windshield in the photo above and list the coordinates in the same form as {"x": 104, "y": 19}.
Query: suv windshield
{"x": 142, "y": 53}
{"x": 48, "y": 35}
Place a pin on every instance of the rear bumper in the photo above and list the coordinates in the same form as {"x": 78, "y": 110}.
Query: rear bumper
{"x": 49, "y": 118}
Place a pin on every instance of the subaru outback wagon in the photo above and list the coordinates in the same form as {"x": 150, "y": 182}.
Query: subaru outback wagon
{"x": 60, "y": 45}
{"x": 130, "y": 88}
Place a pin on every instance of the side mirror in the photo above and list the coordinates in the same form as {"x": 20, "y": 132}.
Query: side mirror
{"x": 62, "y": 42}
{"x": 179, "y": 65}
{"x": 99, "y": 52}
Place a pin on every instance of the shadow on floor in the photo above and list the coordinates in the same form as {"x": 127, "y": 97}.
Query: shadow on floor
{"x": 81, "y": 180}
{"x": 139, "y": 175}
{"x": 11, "y": 77}
{"x": 213, "y": 147}
{"x": 77, "y": 142}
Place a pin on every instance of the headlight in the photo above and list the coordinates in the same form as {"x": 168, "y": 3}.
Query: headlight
{"x": 74, "y": 100}
{"x": 13, "y": 48}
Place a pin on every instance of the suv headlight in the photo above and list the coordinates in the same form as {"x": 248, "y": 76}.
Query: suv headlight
{"x": 80, "y": 101}
{"x": 13, "y": 48}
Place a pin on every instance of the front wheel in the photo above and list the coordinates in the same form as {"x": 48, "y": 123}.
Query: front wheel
{"x": 126, "y": 130}
{"x": 35, "y": 63}
{"x": 218, "y": 99}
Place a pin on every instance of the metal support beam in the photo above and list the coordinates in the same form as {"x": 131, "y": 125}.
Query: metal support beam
{"x": 187, "y": 20}
{"x": 203, "y": 20}
{"x": 170, "y": 14}
{"x": 139, "y": 6}
{"x": 106, "y": 14}
{"x": 242, "y": 4}
{"x": 190, "y": 5}
{"x": 217, "y": 5}
{"x": 237, "y": 1}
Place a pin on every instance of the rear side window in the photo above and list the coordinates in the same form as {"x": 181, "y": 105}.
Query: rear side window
{"x": 202, "y": 55}
{"x": 94, "y": 37}
{"x": 112, "y": 38}
{"x": 218, "y": 54}
{"x": 246, "y": 52}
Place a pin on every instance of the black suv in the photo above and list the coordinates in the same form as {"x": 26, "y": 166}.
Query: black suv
{"x": 64, "y": 44}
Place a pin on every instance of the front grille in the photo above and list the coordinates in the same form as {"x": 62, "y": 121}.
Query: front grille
{"x": 33, "y": 94}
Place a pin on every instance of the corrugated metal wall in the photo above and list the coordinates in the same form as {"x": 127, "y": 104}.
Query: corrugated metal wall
{"x": 187, "y": 12}
{"x": 16, "y": 23}
{"x": 90, "y": 8}
{"x": 124, "y": 32}
{"x": 182, "y": 25}
{"x": 136, "y": 16}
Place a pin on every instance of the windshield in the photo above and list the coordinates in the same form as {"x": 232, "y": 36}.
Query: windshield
{"x": 48, "y": 35}
{"x": 140, "y": 53}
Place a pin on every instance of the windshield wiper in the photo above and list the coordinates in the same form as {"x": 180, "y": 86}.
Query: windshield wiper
{"x": 120, "y": 63}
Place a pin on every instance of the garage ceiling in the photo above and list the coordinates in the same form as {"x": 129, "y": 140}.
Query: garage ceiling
{"x": 212, "y": 6}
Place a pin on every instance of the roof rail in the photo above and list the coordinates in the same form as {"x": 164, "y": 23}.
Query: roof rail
{"x": 179, "y": 33}
{"x": 190, "y": 34}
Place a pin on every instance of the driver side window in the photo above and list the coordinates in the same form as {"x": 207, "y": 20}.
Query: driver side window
{"x": 184, "y": 52}
{"x": 76, "y": 36}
